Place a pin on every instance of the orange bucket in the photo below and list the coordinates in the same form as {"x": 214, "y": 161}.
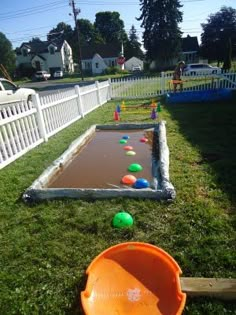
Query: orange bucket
{"x": 133, "y": 279}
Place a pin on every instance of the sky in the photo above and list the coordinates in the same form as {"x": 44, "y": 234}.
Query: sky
{"x": 22, "y": 20}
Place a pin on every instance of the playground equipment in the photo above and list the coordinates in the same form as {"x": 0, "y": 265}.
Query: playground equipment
{"x": 116, "y": 115}
{"x": 144, "y": 140}
{"x": 128, "y": 148}
{"x": 135, "y": 167}
{"x": 141, "y": 183}
{"x": 153, "y": 114}
{"x": 118, "y": 108}
{"x": 133, "y": 278}
{"x": 142, "y": 279}
{"x": 153, "y": 105}
{"x": 199, "y": 96}
{"x": 130, "y": 153}
{"x": 123, "y": 106}
{"x": 128, "y": 179}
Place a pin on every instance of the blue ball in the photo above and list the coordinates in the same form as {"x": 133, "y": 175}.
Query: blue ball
{"x": 141, "y": 183}
{"x": 125, "y": 137}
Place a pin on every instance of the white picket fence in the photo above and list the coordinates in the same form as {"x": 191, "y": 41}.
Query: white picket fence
{"x": 24, "y": 126}
{"x": 147, "y": 87}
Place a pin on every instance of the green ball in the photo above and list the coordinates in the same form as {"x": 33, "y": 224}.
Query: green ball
{"x": 122, "y": 219}
{"x": 122, "y": 141}
{"x": 135, "y": 167}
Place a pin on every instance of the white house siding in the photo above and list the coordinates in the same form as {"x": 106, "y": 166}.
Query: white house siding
{"x": 190, "y": 56}
{"x": 58, "y": 60}
{"x": 110, "y": 62}
{"x": 90, "y": 64}
{"x": 23, "y": 59}
{"x": 53, "y": 61}
{"x": 133, "y": 62}
{"x": 43, "y": 63}
{"x": 98, "y": 64}
{"x": 67, "y": 58}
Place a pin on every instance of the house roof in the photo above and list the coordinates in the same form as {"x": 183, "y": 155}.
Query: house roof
{"x": 39, "y": 47}
{"x": 104, "y": 50}
{"x": 190, "y": 43}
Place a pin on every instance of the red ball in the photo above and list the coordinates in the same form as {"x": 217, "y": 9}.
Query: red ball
{"x": 128, "y": 180}
{"x": 144, "y": 140}
{"x": 128, "y": 148}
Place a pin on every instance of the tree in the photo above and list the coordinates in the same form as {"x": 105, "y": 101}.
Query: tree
{"x": 88, "y": 33}
{"x": 62, "y": 31}
{"x": 162, "y": 35}
{"x": 7, "y": 55}
{"x": 35, "y": 39}
{"x": 133, "y": 46}
{"x": 110, "y": 26}
{"x": 219, "y": 36}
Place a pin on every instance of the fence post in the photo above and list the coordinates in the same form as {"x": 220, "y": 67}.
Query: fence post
{"x": 79, "y": 101}
{"x": 109, "y": 89}
{"x": 41, "y": 122}
{"x": 162, "y": 83}
{"x": 98, "y": 93}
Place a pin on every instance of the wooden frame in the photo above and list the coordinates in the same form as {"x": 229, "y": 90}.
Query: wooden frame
{"x": 211, "y": 287}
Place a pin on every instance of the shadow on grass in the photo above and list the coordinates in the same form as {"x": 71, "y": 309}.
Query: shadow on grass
{"x": 211, "y": 128}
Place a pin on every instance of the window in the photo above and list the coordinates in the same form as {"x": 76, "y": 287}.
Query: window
{"x": 8, "y": 86}
{"x": 198, "y": 66}
{"x": 97, "y": 65}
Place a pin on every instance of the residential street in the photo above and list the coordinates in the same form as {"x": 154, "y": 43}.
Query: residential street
{"x": 50, "y": 87}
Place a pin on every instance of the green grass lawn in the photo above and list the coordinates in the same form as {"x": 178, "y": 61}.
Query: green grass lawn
{"x": 46, "y": 248}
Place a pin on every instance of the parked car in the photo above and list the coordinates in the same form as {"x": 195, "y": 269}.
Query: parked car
{"x": 58, "y": 74}
{"x": 136, "y": 68}
{"x": 200, "y": 68}
{"x": 42, "y": 75}
{"x": 9, "y": 92}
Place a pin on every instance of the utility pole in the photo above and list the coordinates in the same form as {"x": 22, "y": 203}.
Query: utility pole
{"x": 75, "y": 13}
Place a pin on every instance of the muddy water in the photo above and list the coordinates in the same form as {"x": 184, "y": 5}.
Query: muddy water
{"x": 103, "y": 162}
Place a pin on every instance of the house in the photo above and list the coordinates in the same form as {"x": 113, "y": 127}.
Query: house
{"x": 133, "y": 63}
{"x": 97, "y": 58}
{"x": 45, "y": 55}
{"x": 190, "y": 49}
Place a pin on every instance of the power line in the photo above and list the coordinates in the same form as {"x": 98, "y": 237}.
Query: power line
{"x": 31, "y": 9}
{"x": 27, "y": 13}
{"x": 37, "y": 28}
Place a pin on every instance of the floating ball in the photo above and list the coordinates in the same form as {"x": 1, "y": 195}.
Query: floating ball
{"x": 122, "y": 219}
{"x": 125, "y": 137}
{"x": 141, "y": 183}
{"x": 143, "y": 140}
{"x": 123, "y": 141}
{"x": 135, "y": 167}
{"x": 128, "y": 148}
{"x": 130, "y": 153}
{"x": 128, "y": 180}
